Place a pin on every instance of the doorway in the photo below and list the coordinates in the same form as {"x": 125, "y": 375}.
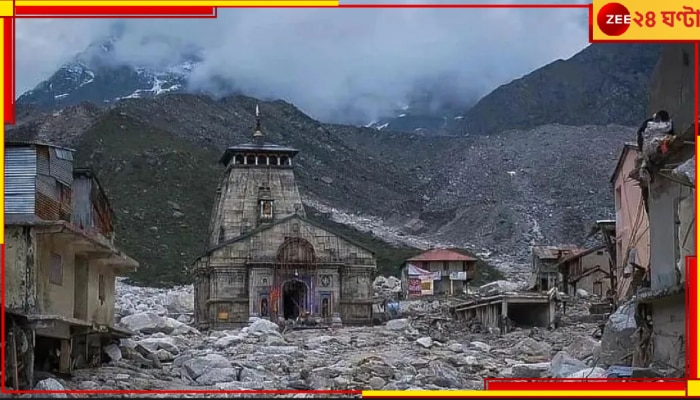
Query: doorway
{"x": 293, "y": 299}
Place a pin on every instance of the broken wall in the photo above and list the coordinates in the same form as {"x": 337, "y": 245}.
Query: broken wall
{"x": 668, "y": 338}
{"x": 55, "y": 276}
{"x": 672, "y": 86}
{"x": 100, "y": 295}
{"x": 686, "y": 231}
{"x": 665, "y": 199}
{"x": 20, "y": 269}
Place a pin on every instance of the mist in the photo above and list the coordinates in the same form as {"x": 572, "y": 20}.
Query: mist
{"x": 340, "y": 65}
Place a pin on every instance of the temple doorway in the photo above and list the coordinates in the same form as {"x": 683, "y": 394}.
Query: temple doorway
{"x": 293, "y": 299}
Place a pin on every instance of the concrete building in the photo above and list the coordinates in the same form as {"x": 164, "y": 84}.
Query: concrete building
{"x": 588, "y": 270}
{"x": 441, "y": 271}
{"x": 545, "y": 272}
{"x": 667, "y": 171}
{"x": 60, "y": 263}
{"x": 510, "y": 309}
{"x": 631, "y": 225}
{"x": 266, "y": 259}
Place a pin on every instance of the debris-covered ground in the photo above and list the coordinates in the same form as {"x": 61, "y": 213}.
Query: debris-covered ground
{"x": 423, "y": 349}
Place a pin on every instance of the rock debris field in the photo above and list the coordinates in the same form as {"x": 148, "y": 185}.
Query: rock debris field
{"x": 424, "y": 349}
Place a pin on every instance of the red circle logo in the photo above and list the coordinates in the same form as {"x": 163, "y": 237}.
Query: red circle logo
{"x": 614, "y": 19}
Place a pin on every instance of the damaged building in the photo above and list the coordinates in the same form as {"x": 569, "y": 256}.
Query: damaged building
{"x": 631, "y": 239}
{"x": 545, "y": 273}
{"x": 665, "y": 170}
{"x": 588, "y": 270}
{"x": 60, "y": 264}
{"x": 437, "y": 272}
{"x": 265, "y": 259}
{"x": 504, "y": 308}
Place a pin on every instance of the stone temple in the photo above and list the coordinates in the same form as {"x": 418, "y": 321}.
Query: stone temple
{"x": 266, "y": 259}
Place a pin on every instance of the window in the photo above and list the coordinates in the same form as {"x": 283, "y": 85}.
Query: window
{"x": 618, "y": 197}
{"x": 266, "y": 209}
{"x": 221, "y": 234}
{"x": 101, "y": 289}
{"x": 64, "y": 154}
{"x": 598, "y": 288}
{"x": 56, "y": 269}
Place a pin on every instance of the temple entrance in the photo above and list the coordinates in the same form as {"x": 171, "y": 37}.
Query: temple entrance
{"x": 293, "y": 299}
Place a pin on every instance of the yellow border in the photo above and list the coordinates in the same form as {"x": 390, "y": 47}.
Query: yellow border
{"x": 522, "y": 393}
{"x": 5, "y": 7}
{"x": 213, "y": 3}
{"x": 2, "y": 118}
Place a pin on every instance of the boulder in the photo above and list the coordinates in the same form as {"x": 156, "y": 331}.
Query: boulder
{"x": 537, "y": 370}
{"x": 398, "y": 324}
{"x": 149, "y": 323}
{"x": 616, "y": 343}
{"x": 564, "y": 365}
{"x": 180, "y": 302}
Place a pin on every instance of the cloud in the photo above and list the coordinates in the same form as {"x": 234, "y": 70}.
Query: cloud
{"x": 339, "y": 64}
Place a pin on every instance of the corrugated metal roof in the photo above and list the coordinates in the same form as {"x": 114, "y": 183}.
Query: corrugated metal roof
{"x": 27, "y": 143}
{"x": 20, "y": 180}
{"x": 441, "y": 255}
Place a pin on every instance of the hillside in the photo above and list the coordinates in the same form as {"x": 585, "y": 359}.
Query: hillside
{"x": 603, "y": 84}
{"x": 455, "y": 192}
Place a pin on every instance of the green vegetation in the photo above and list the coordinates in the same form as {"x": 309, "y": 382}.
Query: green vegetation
{"x": 390, "y": 257}
{"x": 161, "y": 187}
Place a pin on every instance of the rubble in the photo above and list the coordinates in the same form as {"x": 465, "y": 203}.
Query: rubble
{"x": 425, "y": 349}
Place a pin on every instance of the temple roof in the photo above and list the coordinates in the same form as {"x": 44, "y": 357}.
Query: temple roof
{"x": 263, "y": 147}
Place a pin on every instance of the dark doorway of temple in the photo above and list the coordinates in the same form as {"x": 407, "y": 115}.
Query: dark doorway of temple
{"x": 293, "y": 299}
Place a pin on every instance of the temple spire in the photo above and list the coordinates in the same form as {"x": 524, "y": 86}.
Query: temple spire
{"x": 258, "y": 129}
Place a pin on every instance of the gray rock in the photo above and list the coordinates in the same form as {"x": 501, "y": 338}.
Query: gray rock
{"x": 200, "y": 365}
{"x": 533, "y": 350}
{"x": 564, "y": 365}
{"x": 148, "y": 323}
{"x": 51, "y": 384}
{"x": 398, "y": 325}
{"x": 228, "y": 341}
{"x": 456, "y": 347}
{"x": 617, "y": 342}
{"x": 582, "y": 348}
{"x": 537, "y": 370}
{"x": 588, "y": 373}
{"x": 213, "y": 376}
{"x": 113, "y": 352}
{"x": 376, "y": 383}
{"x": 480, "y": 345}
{"x": 264, "y": 326}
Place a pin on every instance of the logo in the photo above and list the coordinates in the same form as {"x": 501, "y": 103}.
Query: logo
{"x": 614, "y": 19}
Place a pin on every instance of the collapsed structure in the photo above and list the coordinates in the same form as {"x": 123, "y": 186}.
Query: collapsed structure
{"x": 266, "y": 259}
{"x": 437, "y": 272}
{"x": 664, "y": 170}
{"x": 60, "y": 264}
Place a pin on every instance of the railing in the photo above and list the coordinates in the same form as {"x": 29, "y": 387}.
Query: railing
{"x": 317, "y": 260}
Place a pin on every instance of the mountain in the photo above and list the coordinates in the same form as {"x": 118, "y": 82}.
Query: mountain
{"x": 494, "y": 193}
{"x": 536, "y": 172}
{"x": 96, "y": 76}
{"x": 603, "y": 84}
{"x": 599, "y": 85}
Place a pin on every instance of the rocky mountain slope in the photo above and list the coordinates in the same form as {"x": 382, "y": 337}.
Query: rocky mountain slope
{"x": 603, "y": 84}
{"x": 487, "y": 193}
{"x": 94, "y": 75}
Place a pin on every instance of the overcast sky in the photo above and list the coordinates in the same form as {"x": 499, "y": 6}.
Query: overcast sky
{"x": 325, "y": 60}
